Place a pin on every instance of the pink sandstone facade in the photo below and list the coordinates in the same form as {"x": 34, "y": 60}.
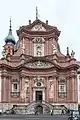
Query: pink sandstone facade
{"x": 34, "y": 69}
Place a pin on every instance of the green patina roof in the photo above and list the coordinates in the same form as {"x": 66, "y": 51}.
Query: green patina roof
{"x": 10, "y": 38}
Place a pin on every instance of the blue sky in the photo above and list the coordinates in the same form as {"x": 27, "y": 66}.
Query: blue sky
{"x": 64, "y": 14}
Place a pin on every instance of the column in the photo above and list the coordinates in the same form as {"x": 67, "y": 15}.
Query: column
{"x": 68, "y": 89}
{"x": 4, "y": 89}
{"x": 55, "y": 89}
{"x": 47, "y": 89}
{"x": 20, "y": 88}
{"x": 34, "y": 94}
{"x": 30, "y": 89}
{"x": 73, "y": 82}
{"x": 43, "y": 94}
{"x": 75, "y": 89}
{"x": 10, "y": 90}
{"x": 22, "y": 92}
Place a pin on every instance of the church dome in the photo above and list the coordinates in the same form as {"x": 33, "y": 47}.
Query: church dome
{"x": 10, "y": 38}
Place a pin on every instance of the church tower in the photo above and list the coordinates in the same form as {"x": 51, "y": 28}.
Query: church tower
{"x": 9, "y": 43}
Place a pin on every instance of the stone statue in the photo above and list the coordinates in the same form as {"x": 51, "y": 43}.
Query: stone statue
{"x": 72, "y": 53}
{"x": 54, "y": 50}
{"x": 22, "y": 46}
{"x": 4, "y": 53}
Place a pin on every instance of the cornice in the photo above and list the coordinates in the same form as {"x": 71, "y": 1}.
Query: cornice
{"x": 29, "y": 32}
{"x": 32, "y": 36}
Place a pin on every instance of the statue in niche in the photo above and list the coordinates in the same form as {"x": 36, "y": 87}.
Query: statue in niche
{"x": 39, "y": 49}
{"x": 54, "y": 50}
{"x": 50, "y": 82}
{"x": 39, "y": 53}
{"x": 24, "y": 90}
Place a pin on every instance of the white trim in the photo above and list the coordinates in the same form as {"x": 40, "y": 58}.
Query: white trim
{"x": 34, "y": 94}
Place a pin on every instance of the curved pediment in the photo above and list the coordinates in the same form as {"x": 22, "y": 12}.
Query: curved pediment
{"x": 39, "y": 64}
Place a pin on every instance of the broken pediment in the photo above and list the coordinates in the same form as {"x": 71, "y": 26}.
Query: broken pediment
{"x": 38, "y": 27}
{"x": 39, "y": 64}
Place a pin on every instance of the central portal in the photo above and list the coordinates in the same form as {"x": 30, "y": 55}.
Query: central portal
{"x": 38, "y": 95}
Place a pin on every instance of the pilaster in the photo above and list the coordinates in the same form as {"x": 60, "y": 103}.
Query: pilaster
{"x": 55, "y": 88}
{"x": 30, "y": 89}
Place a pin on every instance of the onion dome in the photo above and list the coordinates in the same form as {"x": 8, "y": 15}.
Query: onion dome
{"x": 10, "y": 38}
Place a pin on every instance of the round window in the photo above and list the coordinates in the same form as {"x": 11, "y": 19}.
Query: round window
{"x": 38, "y": 84}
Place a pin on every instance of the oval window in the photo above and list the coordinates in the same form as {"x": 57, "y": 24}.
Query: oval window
{"x": 38, "y": 84}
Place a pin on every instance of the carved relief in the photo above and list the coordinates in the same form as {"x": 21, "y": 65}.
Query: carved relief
{"x": 39, "y": 64}
{"x": 38, "y": 79}
{"x": 38, "y": 27}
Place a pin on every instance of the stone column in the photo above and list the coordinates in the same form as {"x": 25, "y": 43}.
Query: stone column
{"x": 43, "y": 94}
{"x": 20, "y": 88}
{"x": 55, "y": 89}
{"x": 74, "y": 89}
{"x": 68, "y": 89}
{"x": 47, "y": 89}
{"x": 72, "y": 81}
{"x": 4, "y": 89}
{"x": 10, "y": 90}
{"x": 33, "y": 94}
{"x": 30, "y": 89}
{"x": 29, "y": 46}
{"x": 22, "y": 92}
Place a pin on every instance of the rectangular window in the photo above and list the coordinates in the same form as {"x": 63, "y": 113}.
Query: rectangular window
{"x": 62, "y": 88}
{"x": 15, "y": 87}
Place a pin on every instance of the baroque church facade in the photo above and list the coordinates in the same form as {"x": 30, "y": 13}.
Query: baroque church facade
{"x": 33, "y": 69}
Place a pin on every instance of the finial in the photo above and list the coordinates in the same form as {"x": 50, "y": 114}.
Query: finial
{"x": 10, "y": 23}
{"x": 36, "y": 13}
{"x": 67, "y": 50}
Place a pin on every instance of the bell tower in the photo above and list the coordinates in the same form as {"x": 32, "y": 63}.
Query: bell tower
{"x": 9, "y": 43}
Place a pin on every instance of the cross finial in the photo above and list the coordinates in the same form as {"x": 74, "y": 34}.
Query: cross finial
{"x": 36, "y": 13}
{"x": 10, "y": 23}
